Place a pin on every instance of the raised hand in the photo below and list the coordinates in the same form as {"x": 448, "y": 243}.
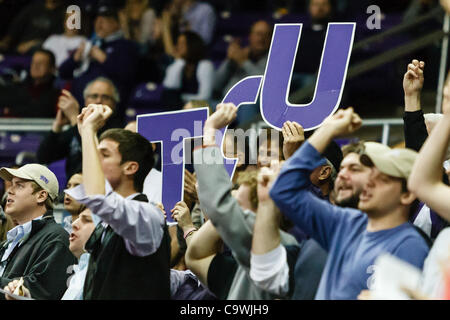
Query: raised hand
{"x": 78, "y": 55}
{"x": 293, "y": 137}
{"x": 224, "y": 115}
{"x": 98, "y": 54}
{"x": 190, "y": 188}
{"x": 343, "y": 122}
{"x": 93, "y": 117}
{"x": 413, "y": 78}
{"x": 266, "y": 177}
{"x": 69, "y": 106}
{"x": 59, "y": 122}
{"x": 182, "y": 215}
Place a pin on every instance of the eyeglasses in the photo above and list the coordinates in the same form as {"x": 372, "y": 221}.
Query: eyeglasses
{"x": 103, "y": 97}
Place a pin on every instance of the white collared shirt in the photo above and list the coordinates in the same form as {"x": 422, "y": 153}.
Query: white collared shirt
{"x": 13, "y": 239}
{"x": 76, "y": 285}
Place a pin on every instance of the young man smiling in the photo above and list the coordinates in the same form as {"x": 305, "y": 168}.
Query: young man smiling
{"x": 37, "y": 249}
{"x": 130, "y": 249}
{"x": 353, "y": 238}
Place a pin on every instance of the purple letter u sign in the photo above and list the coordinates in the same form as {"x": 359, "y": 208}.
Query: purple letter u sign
{"x": 275, "y": 107}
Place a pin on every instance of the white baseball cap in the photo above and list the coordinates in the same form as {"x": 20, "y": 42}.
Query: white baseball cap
{"x": 393, "y": 162}
{"x": 37, "y": 173}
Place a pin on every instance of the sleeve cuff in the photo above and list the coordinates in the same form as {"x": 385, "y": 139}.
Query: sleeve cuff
{"x": 270, "y": 271}
{"x": 264, "y": 266}
{"x": 79, "y": 194}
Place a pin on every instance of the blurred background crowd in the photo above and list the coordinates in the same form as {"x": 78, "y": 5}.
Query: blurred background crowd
{"x": 163, "y": 55}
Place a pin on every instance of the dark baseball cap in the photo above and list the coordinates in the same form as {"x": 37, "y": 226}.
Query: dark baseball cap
{"x": 108, "y": 11}
{"x": 334, "y": 154}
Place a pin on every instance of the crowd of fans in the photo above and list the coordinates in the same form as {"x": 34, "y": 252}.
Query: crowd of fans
{"x": 177, "y": 50}
{"x": 309, "y": 220}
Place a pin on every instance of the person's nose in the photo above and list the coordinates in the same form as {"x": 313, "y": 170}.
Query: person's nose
{"x": 343, "y": 174}
{"x": 10, "y": 190}
{"x": 98, "y": 100}
{"x": 371, "y": 179}
{"x": 75, "y": 224}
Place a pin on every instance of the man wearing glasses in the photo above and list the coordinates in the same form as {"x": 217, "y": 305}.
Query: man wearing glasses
{"x": 66, "y": 144}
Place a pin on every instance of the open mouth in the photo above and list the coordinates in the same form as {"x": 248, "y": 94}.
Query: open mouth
{"x": 67, "y": 200}
{"x": 72, "y": 237}
{"x": 344, "y": 190}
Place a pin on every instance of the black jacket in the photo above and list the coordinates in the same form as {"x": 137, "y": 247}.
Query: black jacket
{"x": 42, "y": 259}
{"x": 114, "y": 274}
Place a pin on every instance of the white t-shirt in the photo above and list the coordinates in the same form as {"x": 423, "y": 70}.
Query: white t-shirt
{"x": 153, "y": 186}
{"x": 61, "y": 46}
{"x": 433, "y": 269}
{"x": 423, "y": 220}
{"x": 205, "y": 77}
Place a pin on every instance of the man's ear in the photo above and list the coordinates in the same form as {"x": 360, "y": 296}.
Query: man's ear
{"x": 325, "y": 172}
{"x": 41, "y": 196}
{"x": 130, "y": 167}
{"x": 406, "y": 198}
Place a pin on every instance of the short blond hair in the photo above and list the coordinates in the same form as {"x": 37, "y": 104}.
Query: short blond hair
{"x": 250, "y": 178}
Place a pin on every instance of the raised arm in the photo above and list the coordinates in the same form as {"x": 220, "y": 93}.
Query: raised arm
{"x": 414, "y": 123}
{"x": 266, "y": 231}
{"x": 90, "y": 120}
{"x": 169, "y": 45}
{"x": 293, "y": 137}
{"x": 426, "y": 177}
{"x": 56, "y": 144}
{"x": 202, "y": 248}
{"x": 290, "y": 191}
{"x": 413, "y": 84}
{"x": 140, "y": 224}
{"x": 269, "y": 265}
{"x": 342, "y": 122}
{"x": 234, "y": 225}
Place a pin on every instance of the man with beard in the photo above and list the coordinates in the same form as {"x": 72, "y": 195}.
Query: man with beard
{"x": 353, "y": 238}
{"x": 351, "y": 177}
